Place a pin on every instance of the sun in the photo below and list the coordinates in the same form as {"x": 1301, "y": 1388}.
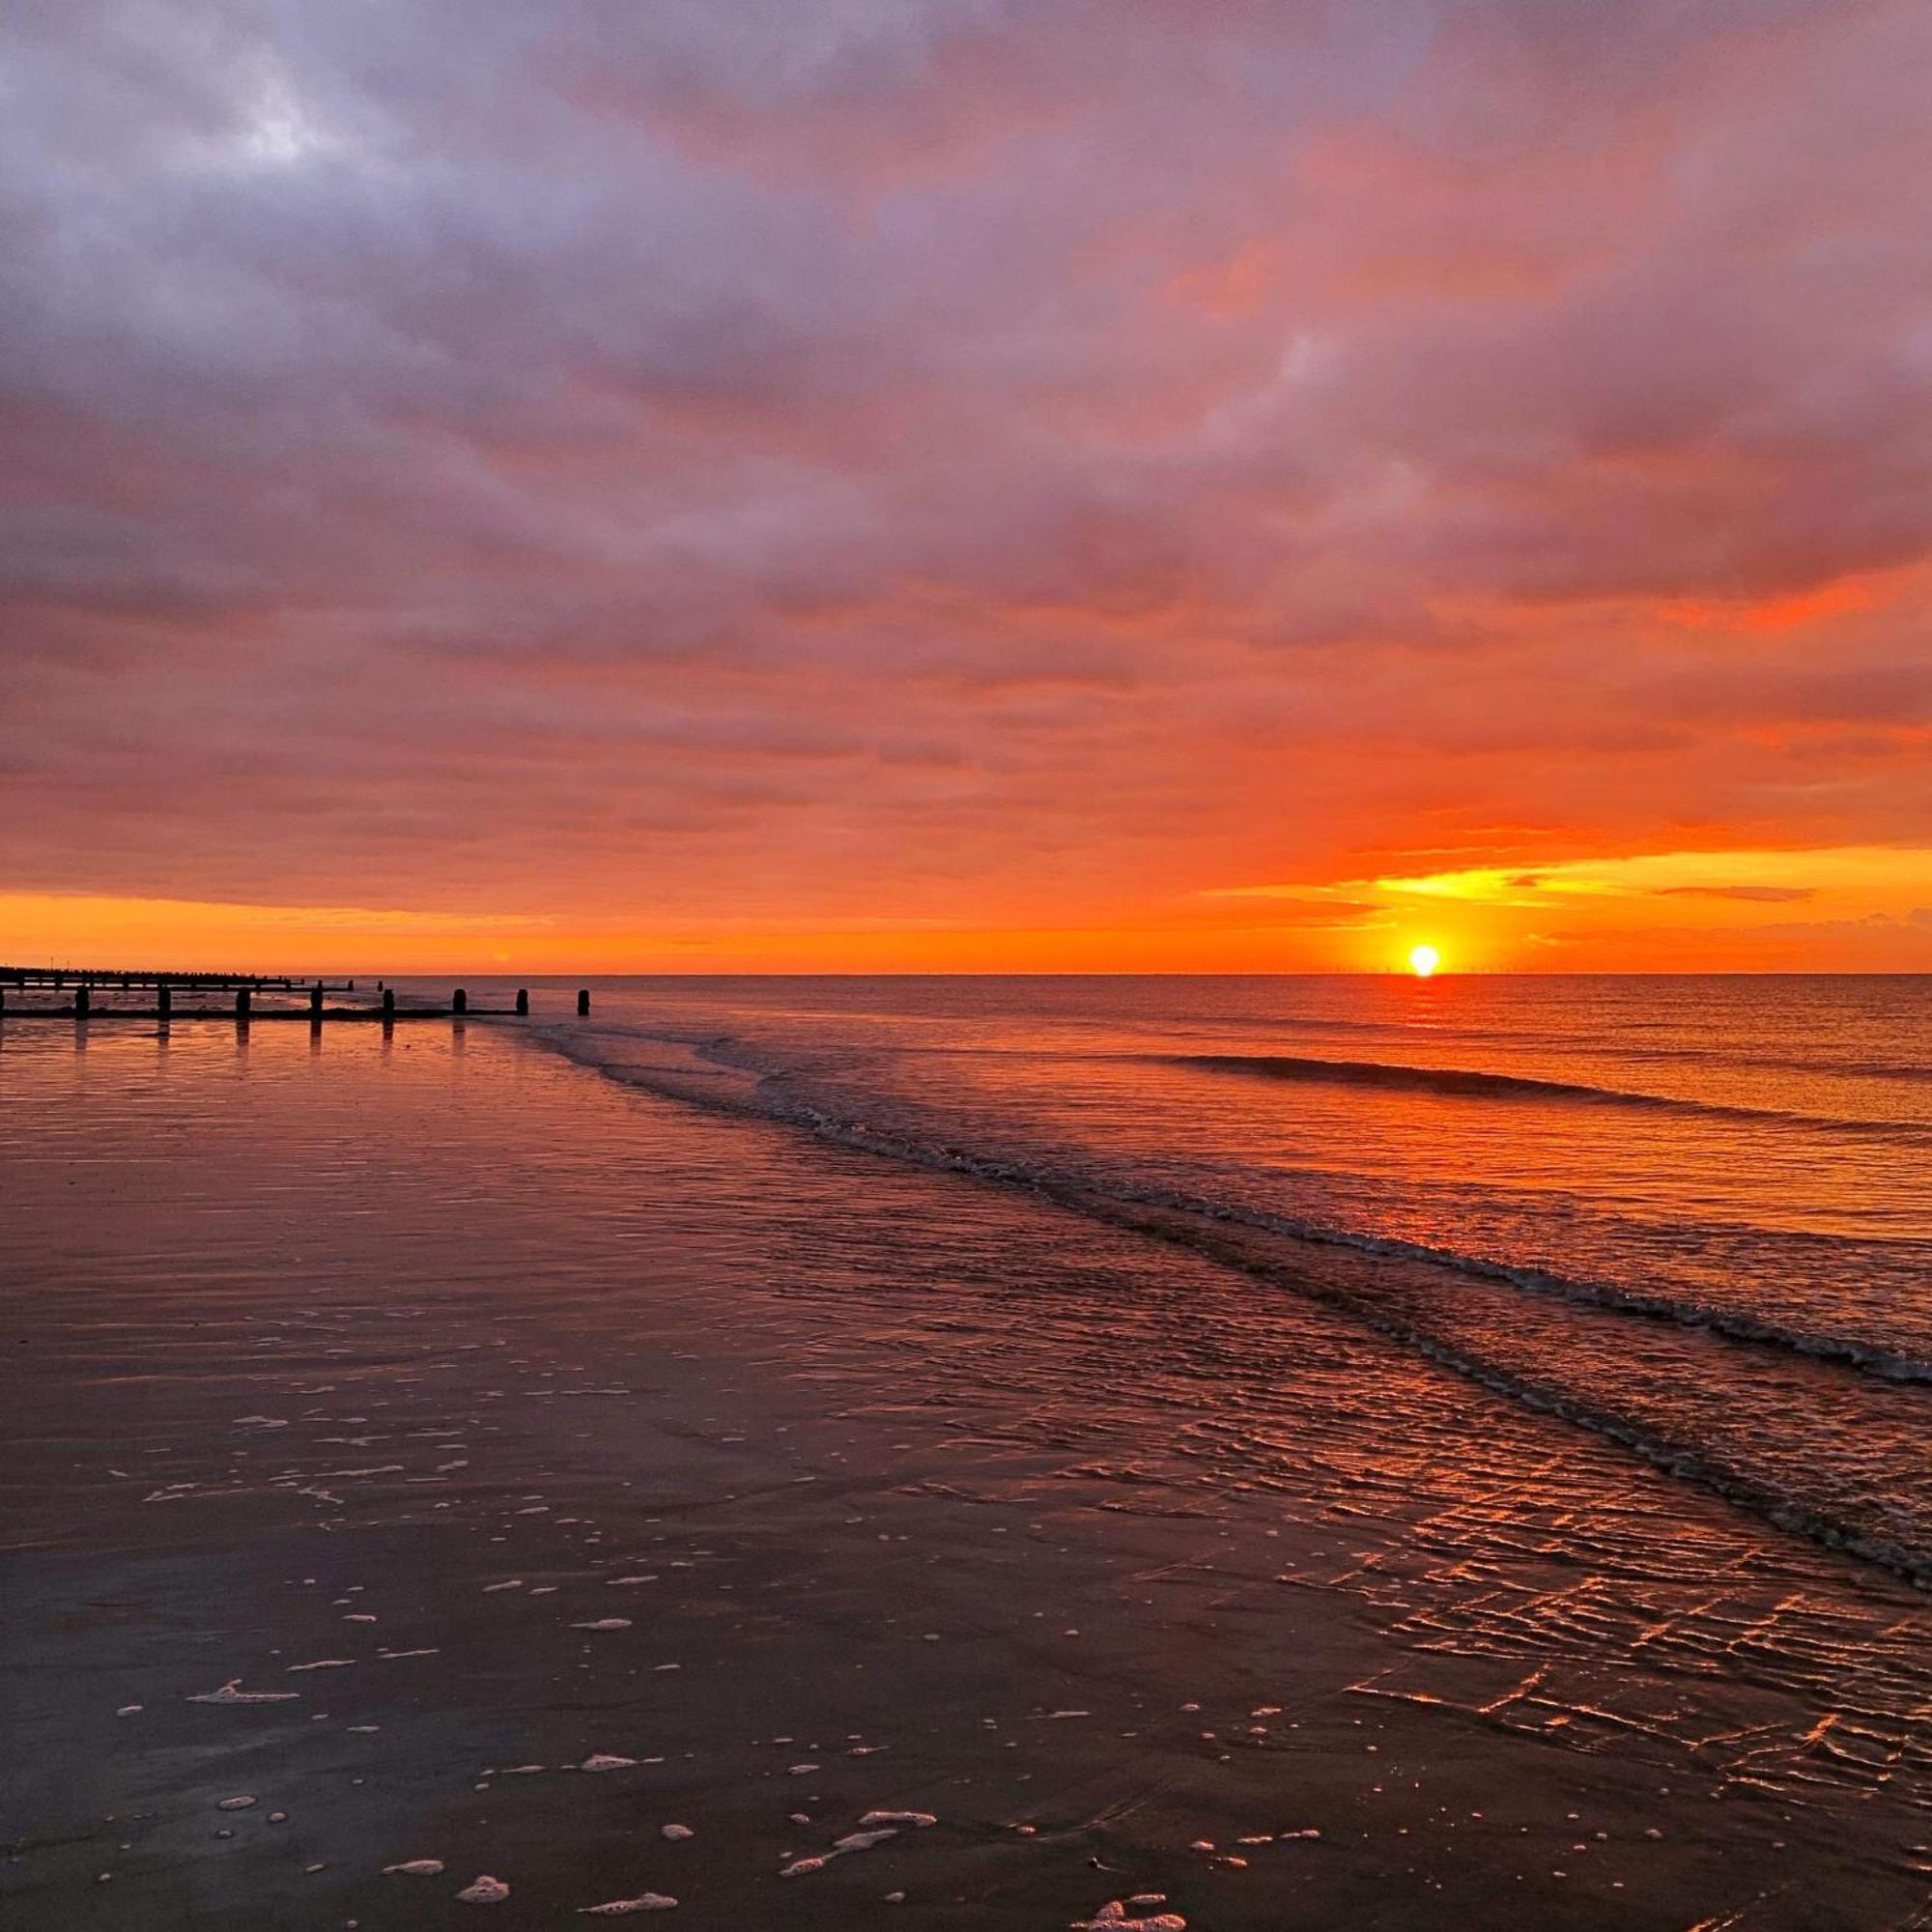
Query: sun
{"x": 1423, "y": 960}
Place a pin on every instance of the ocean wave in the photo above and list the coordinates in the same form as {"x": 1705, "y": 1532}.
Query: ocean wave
{"x": 1463, "y": 1083}
{"x": 726, "y": 1074}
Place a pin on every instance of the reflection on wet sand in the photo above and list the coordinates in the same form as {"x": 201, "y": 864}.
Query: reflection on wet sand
{"x": 481, "y": 1472}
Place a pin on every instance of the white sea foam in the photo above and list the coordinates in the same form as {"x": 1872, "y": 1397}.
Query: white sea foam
{"x": 1112, "y": 1917}
{"x": 232, "y": 1692}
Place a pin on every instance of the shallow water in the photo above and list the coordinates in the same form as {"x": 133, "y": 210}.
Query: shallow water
{"x": 508, "y": 1418}
{"x": 1694, "y": 1214}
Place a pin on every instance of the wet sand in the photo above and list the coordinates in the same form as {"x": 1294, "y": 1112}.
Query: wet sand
{"x": 545, "y": 1465}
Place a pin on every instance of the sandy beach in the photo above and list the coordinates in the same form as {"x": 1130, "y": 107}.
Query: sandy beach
{"x": 427, "y": 1463}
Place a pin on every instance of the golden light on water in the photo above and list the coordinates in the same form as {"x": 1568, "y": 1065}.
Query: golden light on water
{"x": 1423, "y": 960}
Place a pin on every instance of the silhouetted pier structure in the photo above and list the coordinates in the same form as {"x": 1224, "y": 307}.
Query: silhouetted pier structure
{"x": 126, "y": 979}
{"x": 84, "y": 988}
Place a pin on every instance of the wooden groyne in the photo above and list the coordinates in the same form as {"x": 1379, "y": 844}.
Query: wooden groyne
{"x": 89, "y": 1001}
{"x": 126, "y": 978}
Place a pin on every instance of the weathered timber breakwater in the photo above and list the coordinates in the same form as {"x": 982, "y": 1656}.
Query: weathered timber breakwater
{"x": 88, "y": 995}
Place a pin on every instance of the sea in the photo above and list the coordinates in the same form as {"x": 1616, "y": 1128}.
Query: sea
{"x": 973, "y": 1453}
{"x": 1693, "y": 1214}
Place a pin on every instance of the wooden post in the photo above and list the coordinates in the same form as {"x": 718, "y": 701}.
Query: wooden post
{"x": 459, "y": 1001}
{"x": 315, "y": 1002}
{"x": 583, "y": 1002}
{"x": 164, "y": 1001}
{"x": 80, "y": 1001}
{"x": 388, "y": 1003}
{"x": 523, "y": 998}
{"x": 242, "y": 1007}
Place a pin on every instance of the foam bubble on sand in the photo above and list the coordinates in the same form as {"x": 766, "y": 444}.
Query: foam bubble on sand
{"x": 605, "y": 1761}
{"x": 799, "y": 1770}
{"x": 232, "y": 1692}
{"x": 515, "y": 1583}
{"x": 676, "y": 1833}
{"x": 874, "y": 1828}
{"x": 415, "y": 1867}
{"x": 1113, "y": 1918}
{"x": 325, "y": 1663}
{"x": 235, "y": 1803}
{"x": 391, "y": 1656}
{"x": 126, "y": 1710}
{"x": 630, "y": 1580}
{"x": 484, "y": 1891}
{"x": 605, "y": 1624}
{"x": 645, "y": 1901}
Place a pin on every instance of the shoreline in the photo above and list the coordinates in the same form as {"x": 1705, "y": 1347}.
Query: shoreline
{"x": 879, "y": 1484}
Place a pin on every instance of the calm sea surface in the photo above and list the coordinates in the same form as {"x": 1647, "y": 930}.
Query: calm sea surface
{"x": 1458, "y": 1443}
{"x": 1695, "y": 1213}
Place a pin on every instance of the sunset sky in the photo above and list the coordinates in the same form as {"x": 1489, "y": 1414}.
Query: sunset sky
{"x": 966, "y": 484}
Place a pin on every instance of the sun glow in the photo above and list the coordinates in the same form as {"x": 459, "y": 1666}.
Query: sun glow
{"x": 1423, "y": 960}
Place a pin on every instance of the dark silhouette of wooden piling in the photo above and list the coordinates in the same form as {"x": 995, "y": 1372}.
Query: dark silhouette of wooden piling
{"x": 583, "y": 1002}
{"x": 78, "y": 987}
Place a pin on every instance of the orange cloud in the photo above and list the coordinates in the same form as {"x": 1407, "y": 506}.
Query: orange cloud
{"x": 678, "y": 485}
